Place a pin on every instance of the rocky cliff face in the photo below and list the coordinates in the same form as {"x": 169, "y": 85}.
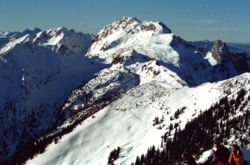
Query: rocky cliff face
{"x": 220, "y": 52}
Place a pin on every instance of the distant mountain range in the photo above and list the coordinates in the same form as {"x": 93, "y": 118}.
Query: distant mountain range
{"x": 72, "y": 98}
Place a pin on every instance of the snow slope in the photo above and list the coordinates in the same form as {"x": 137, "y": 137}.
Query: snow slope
{"x": 128, "y": 122}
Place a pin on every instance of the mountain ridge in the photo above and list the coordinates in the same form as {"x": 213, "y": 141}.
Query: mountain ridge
{"x": 32, "y": 69}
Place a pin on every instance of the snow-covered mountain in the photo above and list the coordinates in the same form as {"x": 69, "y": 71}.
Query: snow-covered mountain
{"x": 38, "y": 70}
{"x": 136, "y": 80}
{"x": 153, "y": 40}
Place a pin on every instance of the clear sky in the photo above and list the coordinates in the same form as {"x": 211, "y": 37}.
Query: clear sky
{"x": 228, "y": 20}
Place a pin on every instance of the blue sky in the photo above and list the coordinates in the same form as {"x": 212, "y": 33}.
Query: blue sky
{"x": 228, "y": 20}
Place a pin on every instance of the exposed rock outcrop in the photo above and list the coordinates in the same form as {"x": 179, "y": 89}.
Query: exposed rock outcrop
{"x": 220, "y": 51}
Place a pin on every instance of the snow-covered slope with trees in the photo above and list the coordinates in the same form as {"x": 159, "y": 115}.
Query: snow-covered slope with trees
{"x": 137, "y": 120}
{"x": 137, "y": 83}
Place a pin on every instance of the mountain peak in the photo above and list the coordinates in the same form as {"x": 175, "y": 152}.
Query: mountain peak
{"x": 127, "y": 19}
{"x": 119, "y": 24}
{"x": 59, "y": 30}
{"x": 131, "y": 25}
{"x": 127, "y": 33}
